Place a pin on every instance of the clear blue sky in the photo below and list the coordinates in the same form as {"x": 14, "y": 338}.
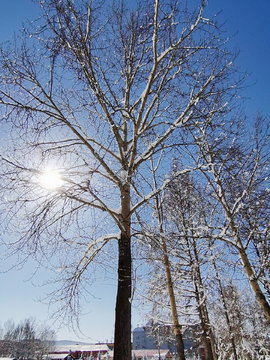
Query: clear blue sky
{"x": 251, "y": 21}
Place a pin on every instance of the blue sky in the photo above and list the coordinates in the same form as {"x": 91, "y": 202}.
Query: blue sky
{"x": 249, "y": 21}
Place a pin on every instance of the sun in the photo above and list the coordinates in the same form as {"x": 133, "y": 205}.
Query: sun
{"x": 50, "y": 180}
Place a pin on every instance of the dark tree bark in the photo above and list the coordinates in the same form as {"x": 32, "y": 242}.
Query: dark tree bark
{"x": 122, "y": 347}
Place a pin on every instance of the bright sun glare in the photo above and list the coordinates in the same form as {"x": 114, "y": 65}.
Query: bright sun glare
{"x": 50, "y": 180}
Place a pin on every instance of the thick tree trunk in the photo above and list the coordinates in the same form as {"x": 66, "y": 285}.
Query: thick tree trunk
{"x": 122, "y": 334}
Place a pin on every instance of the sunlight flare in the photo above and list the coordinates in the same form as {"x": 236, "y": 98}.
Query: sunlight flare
{"x": 50, "y": 180}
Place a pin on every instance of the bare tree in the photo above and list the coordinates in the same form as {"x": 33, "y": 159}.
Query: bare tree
{"x": 160, "y": 333}
{"x": 227, "y": 346}
{"x": 236, "y": 167}
{"x": 256, "y": 329}
{"x": 240, "y": 328}
{"x": 159, "y": 237}
{"x": 191, "y": 213}
{"x": 178, "y": 242}
{"x": 26, "y": 340}
{"x": 93, "y": 91}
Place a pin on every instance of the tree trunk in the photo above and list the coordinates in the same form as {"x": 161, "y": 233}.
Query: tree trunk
{"x": 253, "y": 282}
{"x": 122, "y": 333}
{"x": 259, "y": 295}
{"x": 255, "y": 285}
{"x": 176, "y": 326}
{"x": 223, "y": 300}
{"x": 207, "y": 336}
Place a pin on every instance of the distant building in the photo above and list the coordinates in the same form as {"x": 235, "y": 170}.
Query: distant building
{"x": 144, "y": 339}
{"x": 151, "y": 354}
{"x": 80, "y": 352}
{"x": 102, "y": 352}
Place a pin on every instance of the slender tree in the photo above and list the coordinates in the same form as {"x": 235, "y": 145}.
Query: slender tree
{"x": 92, "y": 92}
{"x": 191, "y": 214}
{"x": 179, "y": 243}
{"x": 161, "y": 240}
{"x": 228, "y": 345}
{"x": 236, "y": 167}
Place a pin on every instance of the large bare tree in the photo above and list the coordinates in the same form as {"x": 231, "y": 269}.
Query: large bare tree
{"x": 92, "y": 91}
